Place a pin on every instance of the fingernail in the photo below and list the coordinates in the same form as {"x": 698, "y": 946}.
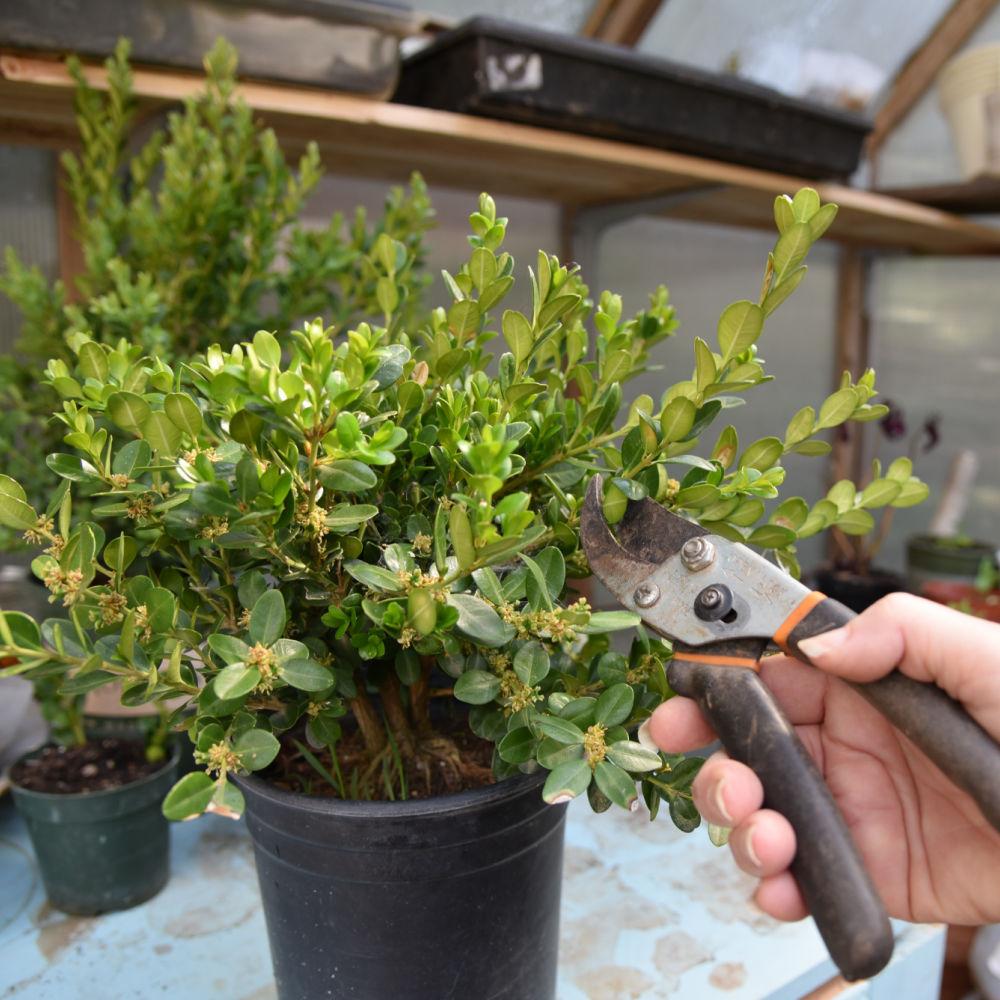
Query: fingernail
{"x": 644, "y": 737}
{"x": 719, "y": 801}
{"x": 748, "y": 849}
{"x": 819, "y": 645}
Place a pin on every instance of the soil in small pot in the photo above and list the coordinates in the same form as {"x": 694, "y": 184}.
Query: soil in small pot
{"x": 93, "y": 767}
{"x": 447, "y": 760}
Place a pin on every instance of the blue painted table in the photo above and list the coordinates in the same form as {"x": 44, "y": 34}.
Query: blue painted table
{"x": 648, "y": 913}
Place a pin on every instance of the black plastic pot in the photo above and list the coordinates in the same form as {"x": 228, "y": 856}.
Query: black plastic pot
{"x": 101, "y": 851}
{"x": 456, "y": 896}
{"x": 501, "y": 69}
{"x": 929, "y": 557}
{"x": 855, "y": 591}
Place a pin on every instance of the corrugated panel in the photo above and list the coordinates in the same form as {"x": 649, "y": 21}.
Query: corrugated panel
{"x": 936, "y": 344}
{"x": 27, "y": 220}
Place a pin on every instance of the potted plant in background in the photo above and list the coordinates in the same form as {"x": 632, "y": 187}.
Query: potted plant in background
{"x": 195, "y": 236}
{"x": 351, "y": 552}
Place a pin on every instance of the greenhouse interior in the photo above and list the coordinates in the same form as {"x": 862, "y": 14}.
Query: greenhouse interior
{"x": 413, "y": 584}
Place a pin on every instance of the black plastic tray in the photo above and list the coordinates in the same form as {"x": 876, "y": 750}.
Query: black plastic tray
{"x": 499, "y": 69}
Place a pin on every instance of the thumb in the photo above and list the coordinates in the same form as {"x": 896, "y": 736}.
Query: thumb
{"x": 925, "y": 641}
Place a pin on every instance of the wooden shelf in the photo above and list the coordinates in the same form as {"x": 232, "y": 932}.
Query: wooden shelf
{"x": 372, "y": 138}
{"x": 978, "y": 197}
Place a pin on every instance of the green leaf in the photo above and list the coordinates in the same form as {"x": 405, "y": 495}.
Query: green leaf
{"x": 374, "y": 577}
{"x": 610, "y": 621}
{"x": 739, "y": 326}
{"x": 821, "y": 221}
{"x": 800, "y": 426}
{"x": 184, "y": 413}
{"x": 267, "y": 348}
{"x": 228, "y": 648}
{"x": 477, "y": 687}
{"x": 812, "y": 448}
{"x": 566, "y": 782}
{"x": 880, "y": 492}
{"x": 92, "y": 360}
{"x": 783, "y": 215}
{"x": 306, "y": 675}
{"x": 11, "y": 488}
{"x": 901, "y": 469}
{"x": 856, "y": 522}
{"x": 344, "y": 517}
{"x": 245, "y": 427}
{"x": 615, "y": 784}
{"x": 518, "y": 746}
{"x": 478, "y": 621}
{"x": 162, "y": 433}
{"x": 482, "y": 267}
{"x": 235, "y": 681}
{"x": 128, "y": 410}
{"x": 842, "y": 495}
{"x": 189, "y": 797}
{"x": 267, "y": 618}
{"x": 531, "y": 663}
{"x": 912, "y": 493}
{"x": 347, "y": 475}
{"x": 633, "y": 756}
{"x": 560, "y": 730}
{"x": 779, "y": 293}
{"x": 685, "y": 814}
{"x": 705, "y": 369}
{"x": 536, "y": 585}
{"x": 615, "y": 705}
{"x": 791, "y": 249}
{"x": 762, "y": 454}
{"x": 837, "y": 408}
{"x": 791, "y": 513}
{"x": 772, "y": 536}
{"x": 677, "y": 419}
{"x": 16, "y": 513}
{"x": 517, "y": 333}
{"x": 805, "y": 204}
{"x": 256, "y": 748}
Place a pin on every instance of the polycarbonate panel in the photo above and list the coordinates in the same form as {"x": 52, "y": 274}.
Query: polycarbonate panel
{"x": 27, "y": 220}
{"x": 548, "y": 15}
{"x": 936, "y": 344}
{"x": 822, "y": 48}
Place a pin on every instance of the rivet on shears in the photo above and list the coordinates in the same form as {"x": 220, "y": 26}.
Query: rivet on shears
{"x": 646, "y": 595}
{"x": 697, "y": 554}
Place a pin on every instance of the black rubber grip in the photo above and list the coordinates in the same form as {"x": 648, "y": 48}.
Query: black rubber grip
{"x": 827, "y": 867}
{"x": 924, "y": 713}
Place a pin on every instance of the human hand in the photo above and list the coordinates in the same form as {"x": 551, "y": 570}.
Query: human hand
{"x": 930, "y": 852}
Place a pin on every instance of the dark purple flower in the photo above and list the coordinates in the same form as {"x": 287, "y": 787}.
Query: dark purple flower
{"x": 930, "y": 433}
{"x": 893, "y": 424}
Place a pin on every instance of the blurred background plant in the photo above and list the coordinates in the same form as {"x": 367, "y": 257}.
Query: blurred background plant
{"x": 192, "y": 236}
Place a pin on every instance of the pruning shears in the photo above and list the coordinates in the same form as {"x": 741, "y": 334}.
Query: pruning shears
{"x": 721, "y": 604}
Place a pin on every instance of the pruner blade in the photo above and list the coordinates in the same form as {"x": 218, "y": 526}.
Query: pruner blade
{"x": 647, "y": 536}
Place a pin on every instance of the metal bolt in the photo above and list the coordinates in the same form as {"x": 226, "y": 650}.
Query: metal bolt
{"x": 710, "y": 597}
{"x": 697, "y": 554}
{"x": 646, "y": 595}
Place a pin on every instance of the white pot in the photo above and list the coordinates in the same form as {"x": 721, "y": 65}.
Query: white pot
{"x": 969, "y": 91}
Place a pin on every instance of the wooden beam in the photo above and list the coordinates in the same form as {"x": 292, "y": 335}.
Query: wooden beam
{"x": 851, "y": 353}
{"x": 71, "y": 262}
{"x": 620, "y": 21}
{"x": 923, "y": 65}
{"x": 371, "y": 138}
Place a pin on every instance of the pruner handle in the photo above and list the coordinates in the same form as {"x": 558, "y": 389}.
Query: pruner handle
{"x": 924, "y": 713}
{"x": 827, "y": 867}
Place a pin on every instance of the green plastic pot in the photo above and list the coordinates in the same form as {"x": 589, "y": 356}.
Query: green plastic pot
{"x": 931, "y": 558}
{"x": 101, "y": 851}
